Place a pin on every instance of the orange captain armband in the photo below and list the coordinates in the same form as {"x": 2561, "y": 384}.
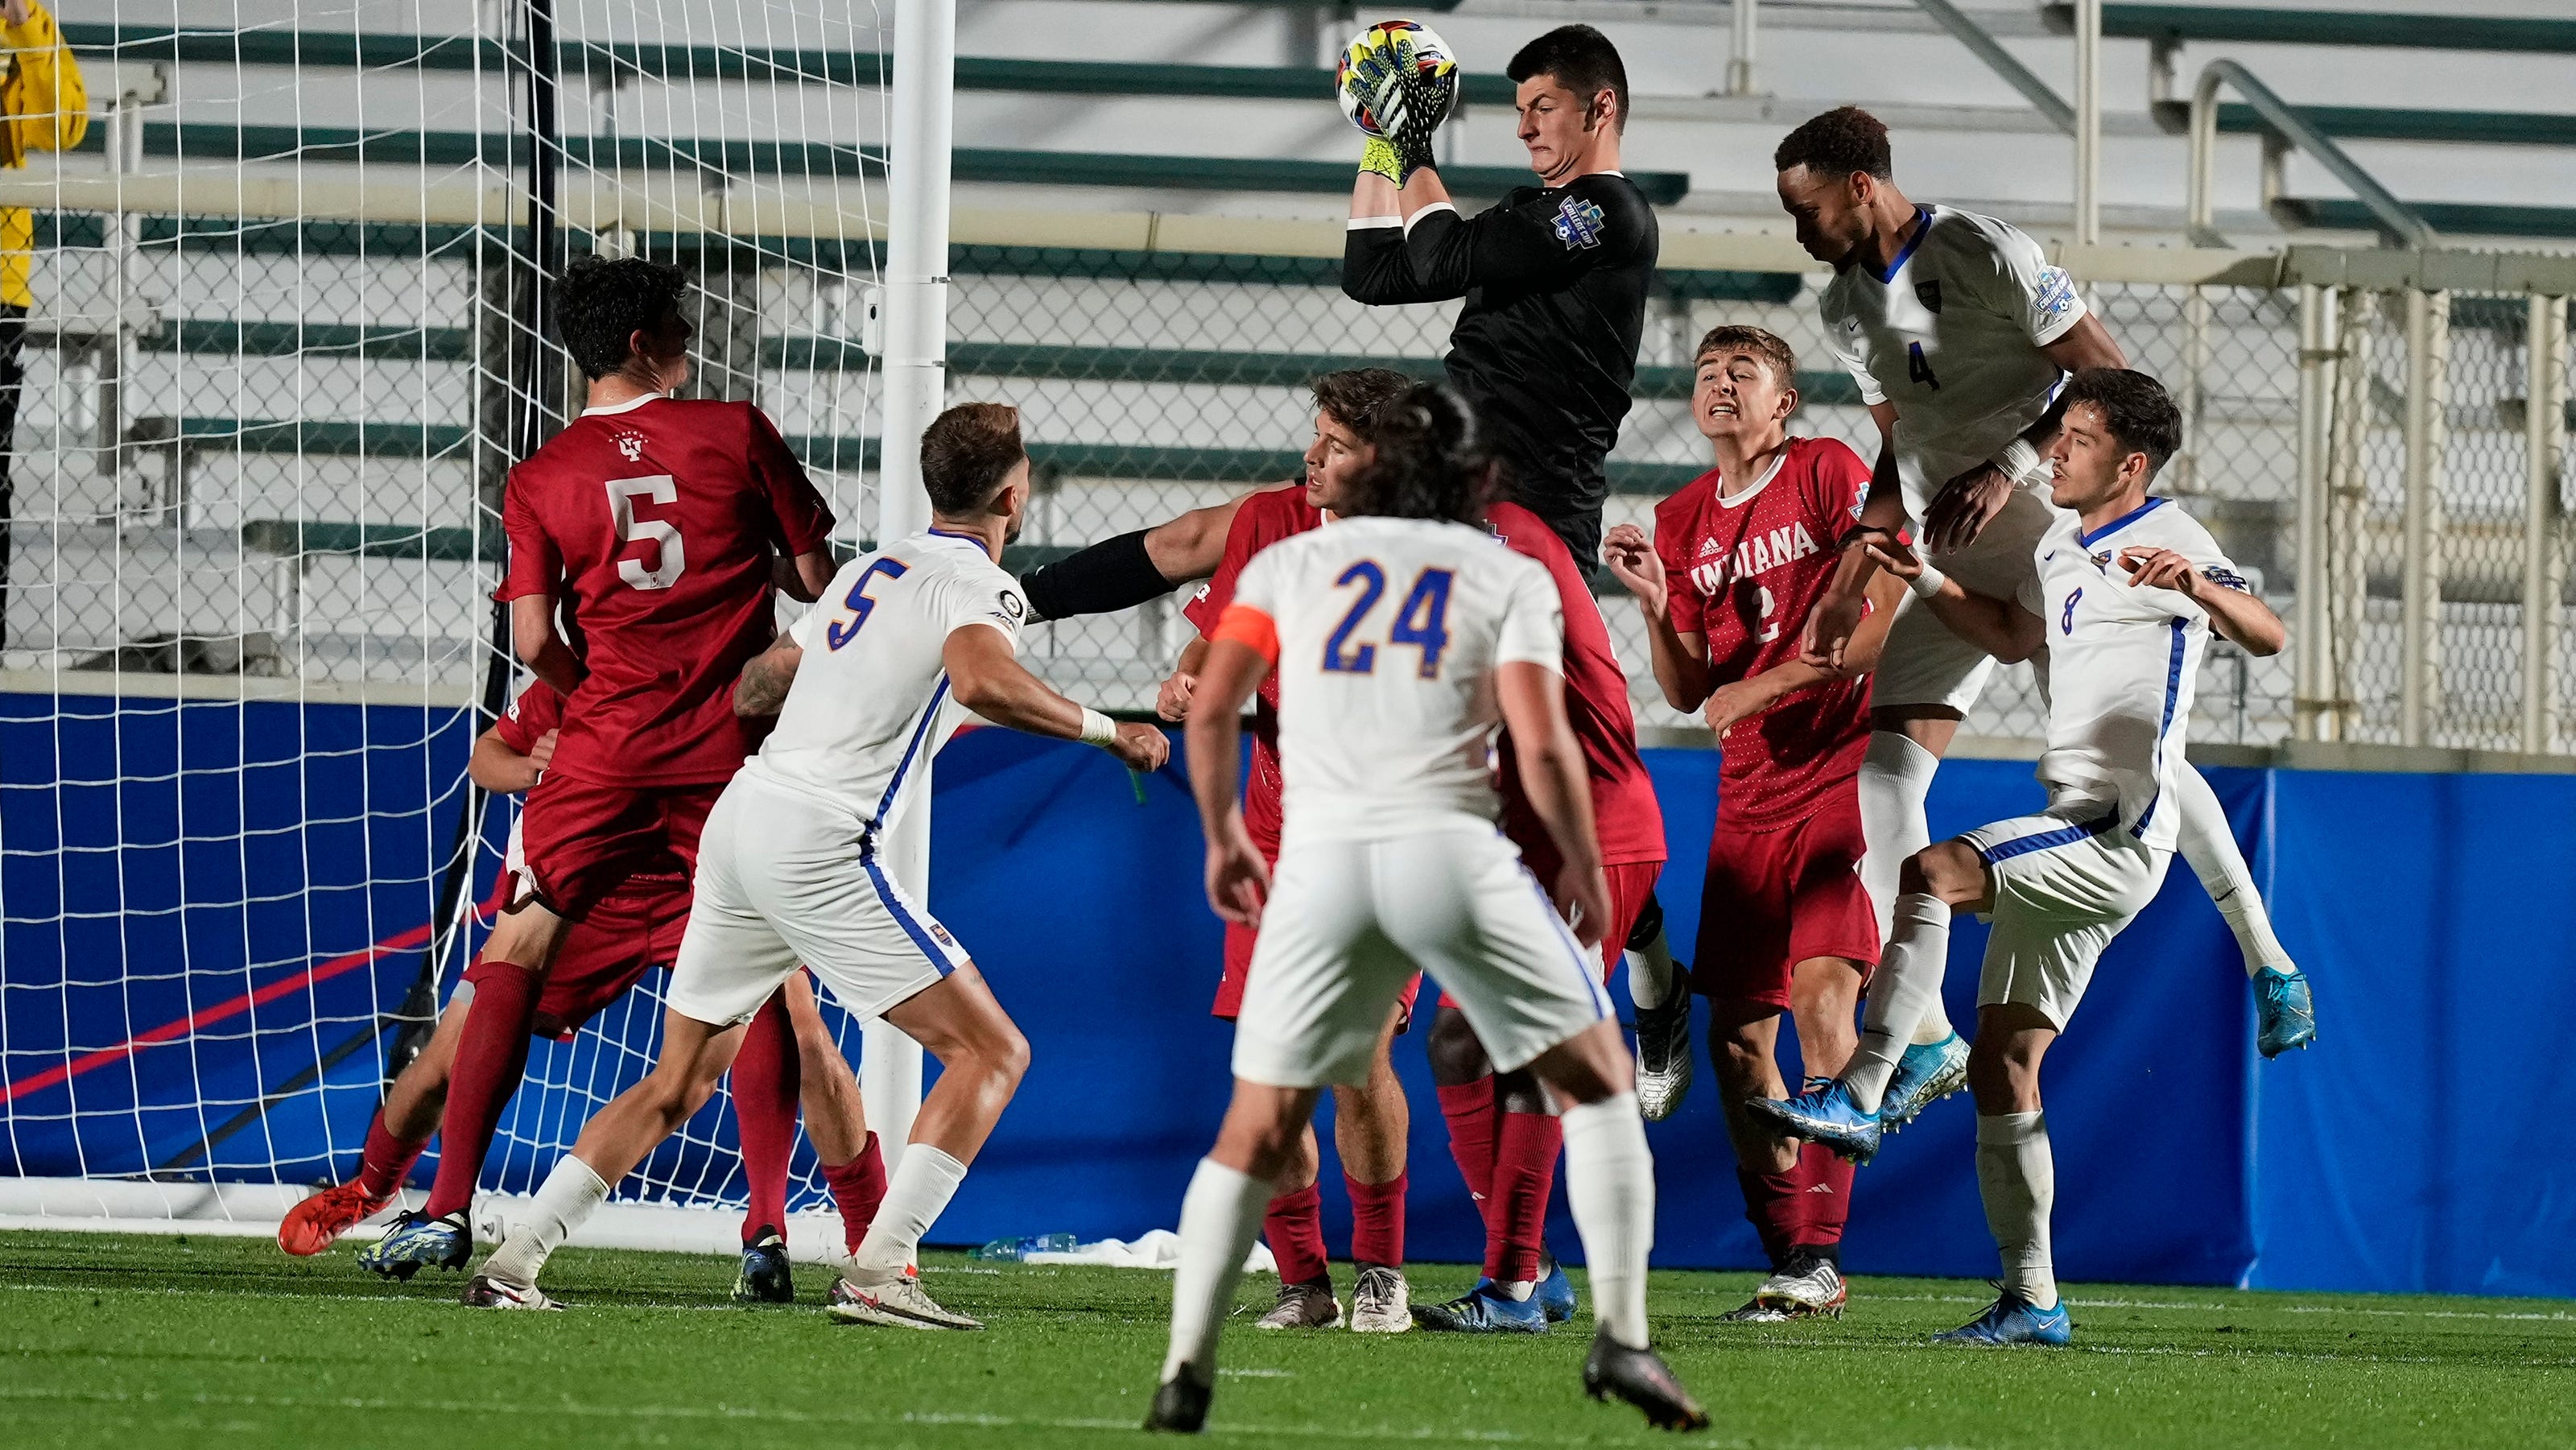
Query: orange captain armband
{"x": 1250, "y": 627}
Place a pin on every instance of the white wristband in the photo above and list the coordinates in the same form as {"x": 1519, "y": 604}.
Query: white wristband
{"x": 1927, "y": 583}
{"x": 1097, "y": 729}
{"x": 2019, "y": 461}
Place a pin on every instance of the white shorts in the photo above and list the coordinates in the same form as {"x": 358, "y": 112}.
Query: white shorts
{"x": 1348, "y": 923}
{"x": 784, "y": 879}
{"x": 1924, "y": 663}
{"x": 2065, "y": 883}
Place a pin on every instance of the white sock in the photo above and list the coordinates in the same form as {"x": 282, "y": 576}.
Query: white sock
{"x": 1895, "y": 776}
{"x": 2017, "y": 1177}
{"x": 1906, "y": 986}
{"x": 2209, "y": 844}
{"x": 561, "y": 1204}
{"x": 916, "y": 1195}
{"x": 1610, "y": 1184}
{"x": 1220, "y": 1216}
{"x": 1650, "y": 973}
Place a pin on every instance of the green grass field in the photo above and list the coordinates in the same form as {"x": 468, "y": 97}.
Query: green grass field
{"x": 127, "y": 1341}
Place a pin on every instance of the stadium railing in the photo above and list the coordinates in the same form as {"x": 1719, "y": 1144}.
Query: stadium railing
{"x": 2426, "y": 31}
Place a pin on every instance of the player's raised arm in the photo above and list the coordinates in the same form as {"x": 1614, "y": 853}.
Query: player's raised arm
{"x": 985, "y": 676}
{"x": 2233, "y": 610}
{"x": 2003, "y": 628}
{"x": 1130, "y": 569}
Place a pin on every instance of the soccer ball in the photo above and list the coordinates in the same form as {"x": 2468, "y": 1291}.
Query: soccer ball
{"x": 1367, "y": 59}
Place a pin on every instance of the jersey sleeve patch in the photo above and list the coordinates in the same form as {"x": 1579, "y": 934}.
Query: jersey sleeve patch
{"x": 1250, "y": 628}
{"x": 1579, "y": 223}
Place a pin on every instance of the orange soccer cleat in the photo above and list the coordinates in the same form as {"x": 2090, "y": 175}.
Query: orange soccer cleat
{"x": 317, "y": 1222}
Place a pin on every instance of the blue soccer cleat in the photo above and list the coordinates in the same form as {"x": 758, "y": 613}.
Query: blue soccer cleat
{"x": 1927, "y": 1073}
{"x": 2285, "y": 1016}
{"x": 1485, "y": 1309}
{"x": 764, "y": 1278}
{"x": 2012, "y": 1320}
{"x": 1824, "y": 1115}
{"x": 415, "y": 1242}
{"x": 1555, "y": 1294}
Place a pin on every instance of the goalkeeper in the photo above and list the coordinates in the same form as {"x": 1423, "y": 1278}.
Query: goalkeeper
{"x": 1554, "y": 275}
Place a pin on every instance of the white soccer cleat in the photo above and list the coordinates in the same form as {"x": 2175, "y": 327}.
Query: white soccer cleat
{"x": 485, "y": 1292}
{"x": 1381, "y": 1303}
{"x": 1814, "y": 1290}
{"x": 1303, "y": 1306}
{"x": 897, "y": 1302}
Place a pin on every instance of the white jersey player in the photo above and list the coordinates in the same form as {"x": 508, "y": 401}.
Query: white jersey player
{"x": 1958, "y": 332}
{"x": 1403, "y": 637}
{"x": 790, "y": 868}
{"x": 2126, "y": 592}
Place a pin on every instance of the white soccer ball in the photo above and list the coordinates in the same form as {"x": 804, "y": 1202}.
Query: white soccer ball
{"x": 1371, "y": 53}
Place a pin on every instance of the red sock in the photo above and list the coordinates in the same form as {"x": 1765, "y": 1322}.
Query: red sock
{"x": 491, "y": 1056}
{"x": 1377, "y": 1220}
{"x": 1294, "y": 1225}
{"x": 858, "y": 1186}
{"x": 1471, "y": 1112}
{"x": 765, "y": 1073}
{"x": 1776, "y": 1206}
{"x": 386, "y": 1159}
{"x": 1824, "y": 1179}
{"x": 1524, "y": 1174}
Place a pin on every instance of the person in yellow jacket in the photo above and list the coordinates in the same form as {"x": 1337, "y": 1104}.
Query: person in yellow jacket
{"x": 43, "y": 107}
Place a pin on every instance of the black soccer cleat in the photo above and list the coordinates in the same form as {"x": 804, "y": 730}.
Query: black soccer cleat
{"x": 764, "y": 1278}
{"x": 1180, "y": 1406}
{"x": 1640, "y": 1377}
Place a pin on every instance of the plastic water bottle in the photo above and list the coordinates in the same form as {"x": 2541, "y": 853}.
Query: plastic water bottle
{"x": 1013, "y": 1251}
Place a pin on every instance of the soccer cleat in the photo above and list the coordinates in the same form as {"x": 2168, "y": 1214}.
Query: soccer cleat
{"x": 1810, "y": 1288}
{"x": 2012, "y": 1320}
{"x": 898, "y": 1302}
{"x": 2285, "y": 1016}
{"x": 317, "y": 1223}
{"x": 1180, "y": 1406}
{"x": 1927, "y": 1073}
{"x": 1485, "y": 1309}
{"x": 1824, "y": 1115}
{"x": 764, "y": 1278}
{"x": 1310, "y": 1305}
{"x": 485, "y": 1292}
{"x": 1756, "y": 1310}
{"x": 1555, "y": 1294}
{"x": 1664, "y": 1053}
{"x": 415, "y": 1242}
{"x": 1640, "y": 1377}
{"x": 1381, "y": 1303}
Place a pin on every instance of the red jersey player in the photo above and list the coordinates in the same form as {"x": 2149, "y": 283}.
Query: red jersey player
{"x": 665, "y": 521}
{"x": 1502, "y": 1132}
{"x": 632, "y": 931}
{"x": 1737, "y": 559}
{"x": 1370, "y": 1122}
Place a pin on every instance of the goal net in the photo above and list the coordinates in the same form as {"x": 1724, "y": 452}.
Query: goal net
{"x": 285, "y": 338}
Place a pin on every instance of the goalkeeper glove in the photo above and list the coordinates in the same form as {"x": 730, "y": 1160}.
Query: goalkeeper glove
{"x": 1410, "y": 104}
{"x": 1380, "y": 159}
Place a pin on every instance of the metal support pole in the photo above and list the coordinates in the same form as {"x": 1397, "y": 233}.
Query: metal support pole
{"x": 2428, "y": 356}
{"x": 2088, "y": 123}
{"x": 2544, "y": 540}
{"x": 2347, "y": 552}
{"x": 1740, "y": 63}
{"x": 2312, "y": 641}
{"x": 915, "y": 368}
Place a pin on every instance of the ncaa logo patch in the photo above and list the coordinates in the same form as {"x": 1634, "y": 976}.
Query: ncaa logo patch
{"x": 1578, "y": 223}
{"x": 1929, "y": 294}
{"x": 2056, "y": 292}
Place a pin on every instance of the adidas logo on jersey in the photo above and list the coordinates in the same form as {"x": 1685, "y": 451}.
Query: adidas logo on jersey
{"x": 1707, "y": 547}
{"x": 1759, "y": 554}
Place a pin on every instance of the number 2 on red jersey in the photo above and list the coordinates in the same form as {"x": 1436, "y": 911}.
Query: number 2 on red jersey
{"x": 670, "y": 556}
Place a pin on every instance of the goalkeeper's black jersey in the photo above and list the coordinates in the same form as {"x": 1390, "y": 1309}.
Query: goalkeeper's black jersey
{"x": 1546, "y": 348}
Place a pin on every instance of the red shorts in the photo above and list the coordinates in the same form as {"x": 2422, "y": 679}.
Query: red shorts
{"x": 582, "y": 841}
{"x": 1238, "y": 970}
{"x": 1778, "y": 897}
{"x": 626, "y": 935}
{"x": 1632, "y": 885}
